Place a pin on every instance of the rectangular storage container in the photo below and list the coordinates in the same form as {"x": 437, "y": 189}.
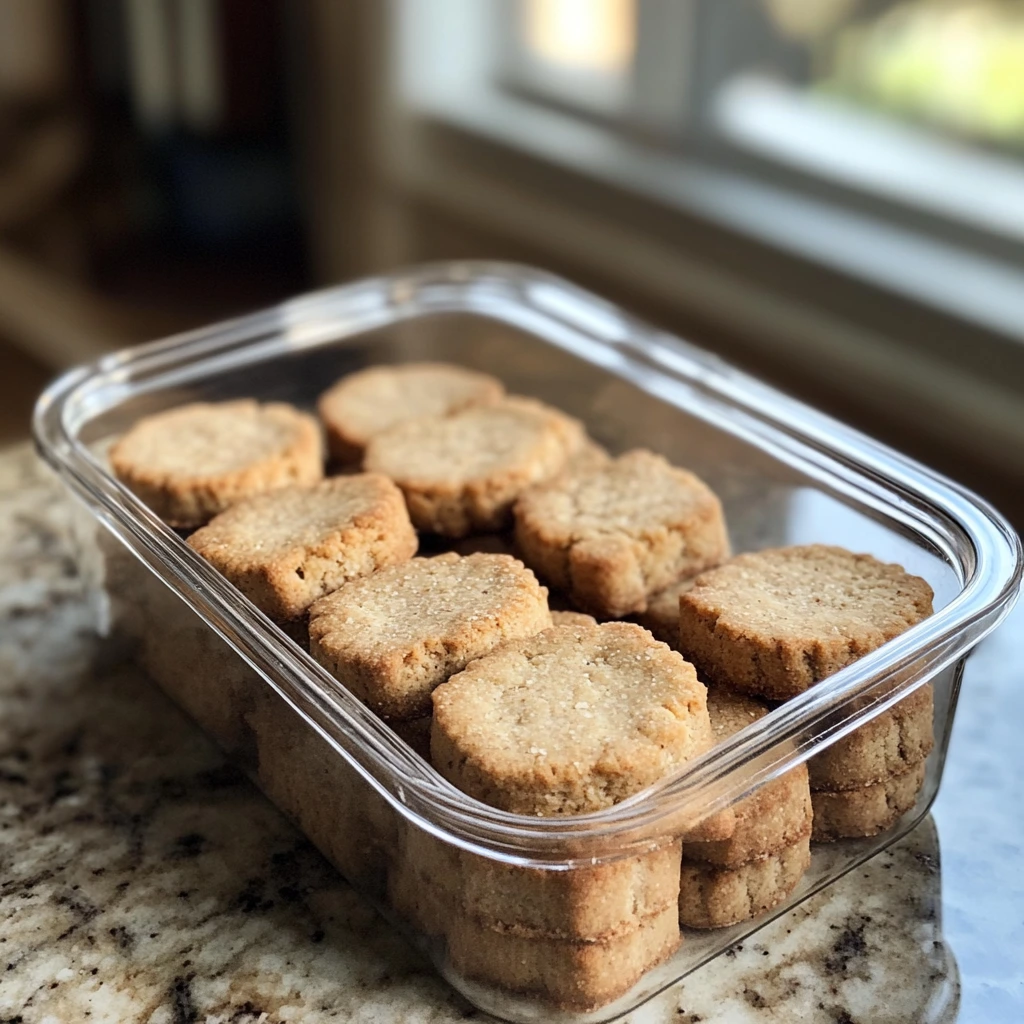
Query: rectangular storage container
{"x": 398, "y": 831}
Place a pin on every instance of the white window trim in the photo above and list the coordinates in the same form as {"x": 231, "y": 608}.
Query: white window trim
{"x": 838, "y": 142}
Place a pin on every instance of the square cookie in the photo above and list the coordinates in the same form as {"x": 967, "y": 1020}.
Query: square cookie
{"x": 393, "y": 637}
{"x": 291, "y": 546}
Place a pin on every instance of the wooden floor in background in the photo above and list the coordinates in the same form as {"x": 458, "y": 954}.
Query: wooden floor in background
{"x": 21, "y": 380}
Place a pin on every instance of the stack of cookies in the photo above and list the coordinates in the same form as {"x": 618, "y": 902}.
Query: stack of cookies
{"x": 760, "y": 863}
{"x": 532, "y": 711}
{"x": 774, "y": 623}
{"x": 570, "y": 721}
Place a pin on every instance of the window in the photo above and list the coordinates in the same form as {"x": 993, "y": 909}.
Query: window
{"x": 917, "y": 102}
{"x": 795, "y": 174}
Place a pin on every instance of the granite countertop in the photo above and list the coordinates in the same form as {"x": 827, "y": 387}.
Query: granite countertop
{"x": 144, "y": 879}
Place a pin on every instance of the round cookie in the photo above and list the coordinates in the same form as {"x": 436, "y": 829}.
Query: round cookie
{"x": 662, "y": 615}
{"x": 364, "y": 404}
{"x": 867, "y": 811}
{"x": 711, "y": 897}
{"x": 614, "y": 535}
{"x": 776, "y": 622}
{"x": 462, "y": 473}
{"x": 289, "y": 547}
{"x": 190, "y": 463}
{"x": 773, "y": 817}
{"x": 888, "y": 745}
{"x": 572, "y": 720}
{"x": 394, "y": 636}
{"x": 574, "y": 976}
{"x": 583, "y": 903}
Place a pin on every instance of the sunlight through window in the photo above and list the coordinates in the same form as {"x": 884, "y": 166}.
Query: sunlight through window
{"x": 581, "y": 35}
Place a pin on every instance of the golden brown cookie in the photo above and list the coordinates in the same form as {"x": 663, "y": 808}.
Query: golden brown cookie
{"x": 779, "y": 621}
{"x": 713, "y": 897}
{"x": 291, "y": 546}
{"x": 190, "y": 463}
{"x": 368, "y": 402}
{"x": 574, "y": 975}
{"x": 394, "y": 636}
{"x": 868, "y": 810}
{"x": 888, "y": 745}
{"x": 461, "y": 473}
{"x": 775, "y": 816}
{"x": 662, "y": 615}
{"x": 201, "y": 672}
{"x": 572, "y": 720}
{"x": 303, "y": 775}
{"x": 585, "y": 902}
{"x": 614, "y": 535}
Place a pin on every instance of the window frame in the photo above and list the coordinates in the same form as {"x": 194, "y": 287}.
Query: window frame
{"x": 677, "y": 97}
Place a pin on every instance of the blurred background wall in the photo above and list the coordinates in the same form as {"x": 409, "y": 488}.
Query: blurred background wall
{"x": 828, "y": 192}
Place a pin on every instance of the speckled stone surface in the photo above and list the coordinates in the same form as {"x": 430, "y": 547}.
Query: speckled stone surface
{"x": 143, "y": 879}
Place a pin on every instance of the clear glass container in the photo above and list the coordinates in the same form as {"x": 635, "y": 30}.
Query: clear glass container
{"x": 397, "y": 830}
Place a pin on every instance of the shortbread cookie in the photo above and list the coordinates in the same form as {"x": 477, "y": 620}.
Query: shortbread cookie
{"x": 286, "y": 548}
{"x": 888, "y": 745}
{"x": 572, "y": 720}
{"x": 181, "y": 652}
{"x": 713, "y": 897}
{"x": 567, "y": 618}
{"x": 428, "y": 902}
{"x": 775, "y": 816}
{"x": 462, "y": 473}
{"x": 868, "y": 810}
{"x": 580, "y": 903}
{"x": 614, "y": 535}
{"x": 549, "y": 933}
{"x": 394, "y": 636}
{"x": 190, "y": 463}
{"x": 574, "y": 975}
{"x": 307, "y": 779}
{"x": 364, "y": 404}
{"x": 662, "y": 615}
{"x": 776, "y": 622}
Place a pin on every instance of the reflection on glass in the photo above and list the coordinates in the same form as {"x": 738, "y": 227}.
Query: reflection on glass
{"x": 582, "y": 35}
